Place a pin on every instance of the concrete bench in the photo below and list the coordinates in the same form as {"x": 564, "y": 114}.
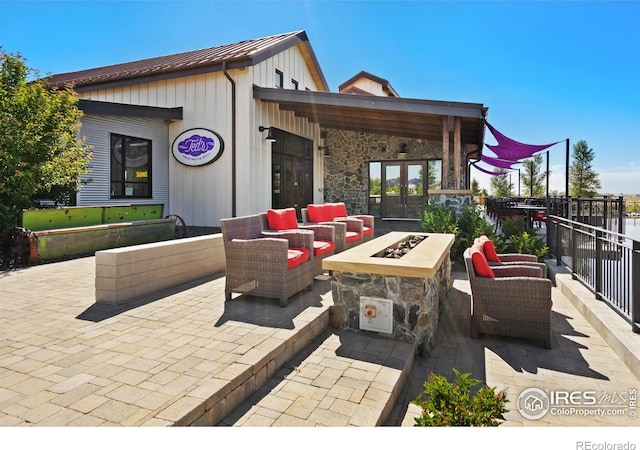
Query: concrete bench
{"x": 126, "y": 273}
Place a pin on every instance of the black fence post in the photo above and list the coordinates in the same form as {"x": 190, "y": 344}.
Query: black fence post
{"x": 599, "y": 234}
{"x": 621, "y": 210}
{"x": 574, "y": 251}
{"x": 558, "y": 244}
{"x": 635, "y": 288}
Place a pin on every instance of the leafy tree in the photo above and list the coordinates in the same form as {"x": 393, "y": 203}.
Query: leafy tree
{"x": 583, "y": 180}
{"x": 40, "y": 154}
{"x": 375, "y": 186}
{"x": 533, "y": 176}
{"x": 475, "y": 187}
{"x": 500, "y": 185}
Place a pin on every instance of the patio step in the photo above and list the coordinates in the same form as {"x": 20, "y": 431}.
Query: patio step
{"x": 342, "y": 378}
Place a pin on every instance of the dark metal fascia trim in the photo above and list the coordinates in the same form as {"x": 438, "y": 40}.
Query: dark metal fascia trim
{"x": 392, "y": 104}
{"x": 123, "y": 109}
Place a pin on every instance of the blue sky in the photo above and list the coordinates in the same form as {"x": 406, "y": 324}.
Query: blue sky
{"x": 546, "y": 70}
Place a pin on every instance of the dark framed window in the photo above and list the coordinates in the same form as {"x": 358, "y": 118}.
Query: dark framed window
{"x": 279, "y": 79}
{"x": 130, "y": 167}
{"x": 294, "y": 84}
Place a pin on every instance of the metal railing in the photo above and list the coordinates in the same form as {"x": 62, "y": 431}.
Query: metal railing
{"x": 607, "y": 262}
{"x": 605, "y": 212}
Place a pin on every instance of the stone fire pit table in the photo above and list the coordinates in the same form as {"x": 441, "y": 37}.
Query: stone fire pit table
{"x": 397, "y": 298}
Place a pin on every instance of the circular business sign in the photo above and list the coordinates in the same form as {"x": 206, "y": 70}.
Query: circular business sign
{"x": 197, "y": 147}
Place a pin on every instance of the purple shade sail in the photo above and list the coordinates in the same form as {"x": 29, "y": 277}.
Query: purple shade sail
{"x": 495, "y": 162}
{"x": 511, "y": 150}
{"x": 487, "y": 171}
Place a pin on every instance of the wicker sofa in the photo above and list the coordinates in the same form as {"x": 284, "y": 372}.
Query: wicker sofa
{"x": 509, "y": 300}
{"x": 273, "y": 267}
{"x": 350, "y": 230}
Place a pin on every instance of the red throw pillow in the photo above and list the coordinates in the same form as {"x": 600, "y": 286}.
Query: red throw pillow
{"x": 480, "y": 264}
{"x": 319, "y": 213}
{"x": 282, "y": 219}
{"x": 489, "y": 249}
{"x": 338, "y": 209}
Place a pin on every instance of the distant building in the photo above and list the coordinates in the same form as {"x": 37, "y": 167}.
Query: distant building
{"x": 189, "y": 130}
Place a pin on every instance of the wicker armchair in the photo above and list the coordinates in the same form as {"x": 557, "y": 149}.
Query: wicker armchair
{"x": 259, "y": 265}
{"x": 502, "y": 259}
{"x": 277, "y": 222}
{"x": 516, "y": 303}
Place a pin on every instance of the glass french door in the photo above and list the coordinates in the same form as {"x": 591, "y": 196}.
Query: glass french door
{"x": 403, "y": 190}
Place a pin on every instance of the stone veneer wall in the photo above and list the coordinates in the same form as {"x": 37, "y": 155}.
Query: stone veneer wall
{"x": 417, "y": 303}
{"x": 346, "y": 171}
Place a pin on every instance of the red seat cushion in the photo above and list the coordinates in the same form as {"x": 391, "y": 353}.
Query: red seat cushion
{"x": 319, "y": 213}
{"x": 489, "y": 249}
{"x": 367, "y": 230}
{"x": 353, "y": 236}
{"x": 296, "y": 256}
{"x": 480, "y": 264}
{"x": 322, "y": 247}
{"x": 338, "y": 209}
{"x": 282, "y": 219}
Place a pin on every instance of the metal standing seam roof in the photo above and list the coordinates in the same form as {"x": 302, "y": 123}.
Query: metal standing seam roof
{"x": 240, "y": 54}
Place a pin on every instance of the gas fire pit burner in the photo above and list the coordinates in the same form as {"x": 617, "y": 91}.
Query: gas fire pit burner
{"x": 402, "y": 248}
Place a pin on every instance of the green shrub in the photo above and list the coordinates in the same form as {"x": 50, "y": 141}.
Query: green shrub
{"x": 447, "y": 404}
{"x": 529, "y": 244}
{"x": 466, "y": 226}
{"x": 514, "y": 227}
{"x": 519, "y": 238}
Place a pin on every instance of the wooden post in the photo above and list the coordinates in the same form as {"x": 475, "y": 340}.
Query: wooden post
{"x": 457, "y": 154}
{"x": 445, "y": 152}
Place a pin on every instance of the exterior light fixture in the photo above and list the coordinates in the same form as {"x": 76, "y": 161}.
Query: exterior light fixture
{"x": 270, "y": 136}
{"x": 403, "y": 150}
{"x": 324, "y": 149}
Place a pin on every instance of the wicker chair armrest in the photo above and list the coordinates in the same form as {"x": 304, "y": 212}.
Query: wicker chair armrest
{"x": 511, "y": 257}
{"x": 542, "y": 266}
{"x": 367, "y": 220}
{"x": 258, "y": 246}
{"x": 305, "y": 216}
{"x": 340, "y": 230}
{"x": 525, "y": 290}
{"x": 353, "y": 224}
{"x": 321, "y": 232}
{"x": 295, "y": 238}
{"x": 516, "y": 270}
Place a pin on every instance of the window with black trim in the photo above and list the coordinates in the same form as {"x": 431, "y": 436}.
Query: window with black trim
{"x": 294, "y": 84}
{"x": 279, "y": 79}
{"x": 130, "y": 167}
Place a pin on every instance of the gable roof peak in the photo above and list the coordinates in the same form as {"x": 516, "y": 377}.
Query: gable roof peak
{"x": 347, "y": 87}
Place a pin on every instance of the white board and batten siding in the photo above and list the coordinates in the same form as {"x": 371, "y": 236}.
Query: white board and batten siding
{"x": 202, "y": 196}
{"x": 98, "y": 129}
{"x": 291, "y": 63}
